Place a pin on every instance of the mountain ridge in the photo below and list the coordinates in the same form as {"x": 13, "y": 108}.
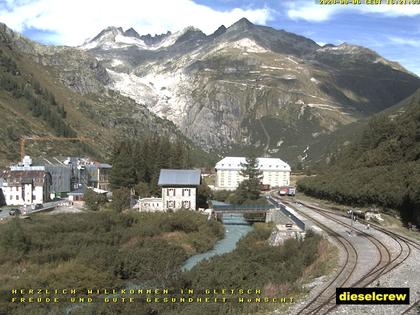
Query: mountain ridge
{"x": 245, "y": 79}
{"x": 243, "y": 86}
{"x": 46, "y": 90}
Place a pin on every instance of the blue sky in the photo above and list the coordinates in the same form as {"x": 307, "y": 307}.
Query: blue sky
{"x": 392, "y": 31}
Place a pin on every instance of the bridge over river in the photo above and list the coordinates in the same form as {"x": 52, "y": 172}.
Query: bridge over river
{"x": 250, "y": 212}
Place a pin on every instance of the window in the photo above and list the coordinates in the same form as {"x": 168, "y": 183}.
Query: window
{"x": 170, "y": 204}
{"x": 17, "y": 197}
{"x": 11, "y": 197}
{"x": 186, "y": 192}
{"x": 186, "y": 204}
{"x": 170, "y": 192}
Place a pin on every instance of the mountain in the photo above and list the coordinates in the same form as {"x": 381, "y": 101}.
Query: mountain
{"x": 249, "y": 85}
{"x": 380, "y": 164}
{"x": 61, "y": 91}
{"x": 243, "y": 86}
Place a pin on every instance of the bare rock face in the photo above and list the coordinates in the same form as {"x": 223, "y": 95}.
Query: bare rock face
{"x": 242, "y": 85}
{"x": 79, "y": 85}
{"x": 77, "y": 69}
{"x": 253, "y": 85}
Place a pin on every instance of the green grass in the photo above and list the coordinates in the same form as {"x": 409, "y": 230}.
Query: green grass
{"x": 99, "y": 250}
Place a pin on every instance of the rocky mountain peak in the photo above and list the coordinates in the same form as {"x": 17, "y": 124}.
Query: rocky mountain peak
{"x": 107, "y": 34}
{"x": 222, "y": 29}
{"x": 191, "y": 33}
{"x": 131, "y": 32}
{"x": 241, "y": 25}
{"x": 152, "y": 40}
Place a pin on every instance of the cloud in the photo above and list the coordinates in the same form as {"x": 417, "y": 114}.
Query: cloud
{"x": 405, "y": 41}
{"x": 70, "y": 22}
{"x": 313, "y": 12}
{"x": 310, "y": 11}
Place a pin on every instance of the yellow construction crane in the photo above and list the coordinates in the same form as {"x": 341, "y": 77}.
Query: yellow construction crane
{"x": 24, "y": 139}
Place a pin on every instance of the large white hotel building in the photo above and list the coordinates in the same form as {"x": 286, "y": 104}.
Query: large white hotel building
{"x": 275, "y": 172}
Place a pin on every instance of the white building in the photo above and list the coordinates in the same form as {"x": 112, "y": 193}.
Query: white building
{"x": 25, "y": 184}
{"x": 150, "y": 204}
{"x": 275, "y": 172}
{"x": 179, "y": 188}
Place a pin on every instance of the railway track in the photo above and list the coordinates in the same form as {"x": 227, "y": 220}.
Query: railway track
{"x": 406, "y": 244}
{"x": 324, "y": 301}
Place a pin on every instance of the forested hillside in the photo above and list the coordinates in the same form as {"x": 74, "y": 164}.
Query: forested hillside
{"x": 381, "y": 167}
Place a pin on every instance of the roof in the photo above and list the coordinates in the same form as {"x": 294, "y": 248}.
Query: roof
{"x": 218, "y": 203}
{"x": 99, "y": 165}
{"x": 78, "y": 192}
{"x": 61, "y": 177}
{"x": 179, "y": 177}
{"x": 243, "y": 207}
{"x": 265, "y": 164}
{"x": 25, "y": 177}
{"x": 151, "y": 199}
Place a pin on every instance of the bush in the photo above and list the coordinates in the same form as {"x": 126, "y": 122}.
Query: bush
{"x": 120, "y": 199}
{"x": 94, "y": 201}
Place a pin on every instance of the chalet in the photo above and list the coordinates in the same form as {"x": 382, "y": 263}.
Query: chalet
{"x": 179, "y": 188}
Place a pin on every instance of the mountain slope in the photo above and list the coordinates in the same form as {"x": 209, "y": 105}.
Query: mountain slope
{"x": 61, "y": 91}
{"x": 249, "y": 85}
{"x": 381, "y": 166}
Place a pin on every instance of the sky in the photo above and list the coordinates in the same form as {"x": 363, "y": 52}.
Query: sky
{"x": 391, "y": 30}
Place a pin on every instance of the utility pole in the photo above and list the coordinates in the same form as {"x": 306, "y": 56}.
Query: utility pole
{"x": 351, "y": 219}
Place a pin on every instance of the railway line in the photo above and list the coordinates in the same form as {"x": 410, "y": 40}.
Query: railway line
{"x": 404, "y": 252}
{"x": 324, "y": 301}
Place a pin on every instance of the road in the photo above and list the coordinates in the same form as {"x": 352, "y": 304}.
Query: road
{"x": 4, "y": 214}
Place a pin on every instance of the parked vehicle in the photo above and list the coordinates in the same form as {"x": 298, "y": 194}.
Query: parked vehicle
{"x": 291, "y": 191}
{"x": 14, "y": 211}
{"x": 283, "y": 191}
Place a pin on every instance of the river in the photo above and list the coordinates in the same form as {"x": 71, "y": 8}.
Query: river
{"x": 235, "y": 228}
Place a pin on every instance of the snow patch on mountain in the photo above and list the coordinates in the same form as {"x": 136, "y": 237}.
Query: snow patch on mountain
{"x": 246, "y": 45}
{"x": 249, "y": 46}
{"x": 116, "y": 62}
{"x": 324, "y": 107}
{"x": 315, "y": 80}
{"x": 114, "y": 38}
{"x": 121, "y": 39}
{"x": 132, "y": 86}
{"x": 163, "y": 93}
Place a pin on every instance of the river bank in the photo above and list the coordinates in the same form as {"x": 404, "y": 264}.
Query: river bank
{"x": 235, "y": 227}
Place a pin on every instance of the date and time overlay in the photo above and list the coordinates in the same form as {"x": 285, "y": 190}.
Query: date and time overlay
{"x": 367, "y": 2}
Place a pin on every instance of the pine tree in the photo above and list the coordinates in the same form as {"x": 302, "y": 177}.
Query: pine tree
{"x": 123, "y": 172}
{"x": 250, "y": 187}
